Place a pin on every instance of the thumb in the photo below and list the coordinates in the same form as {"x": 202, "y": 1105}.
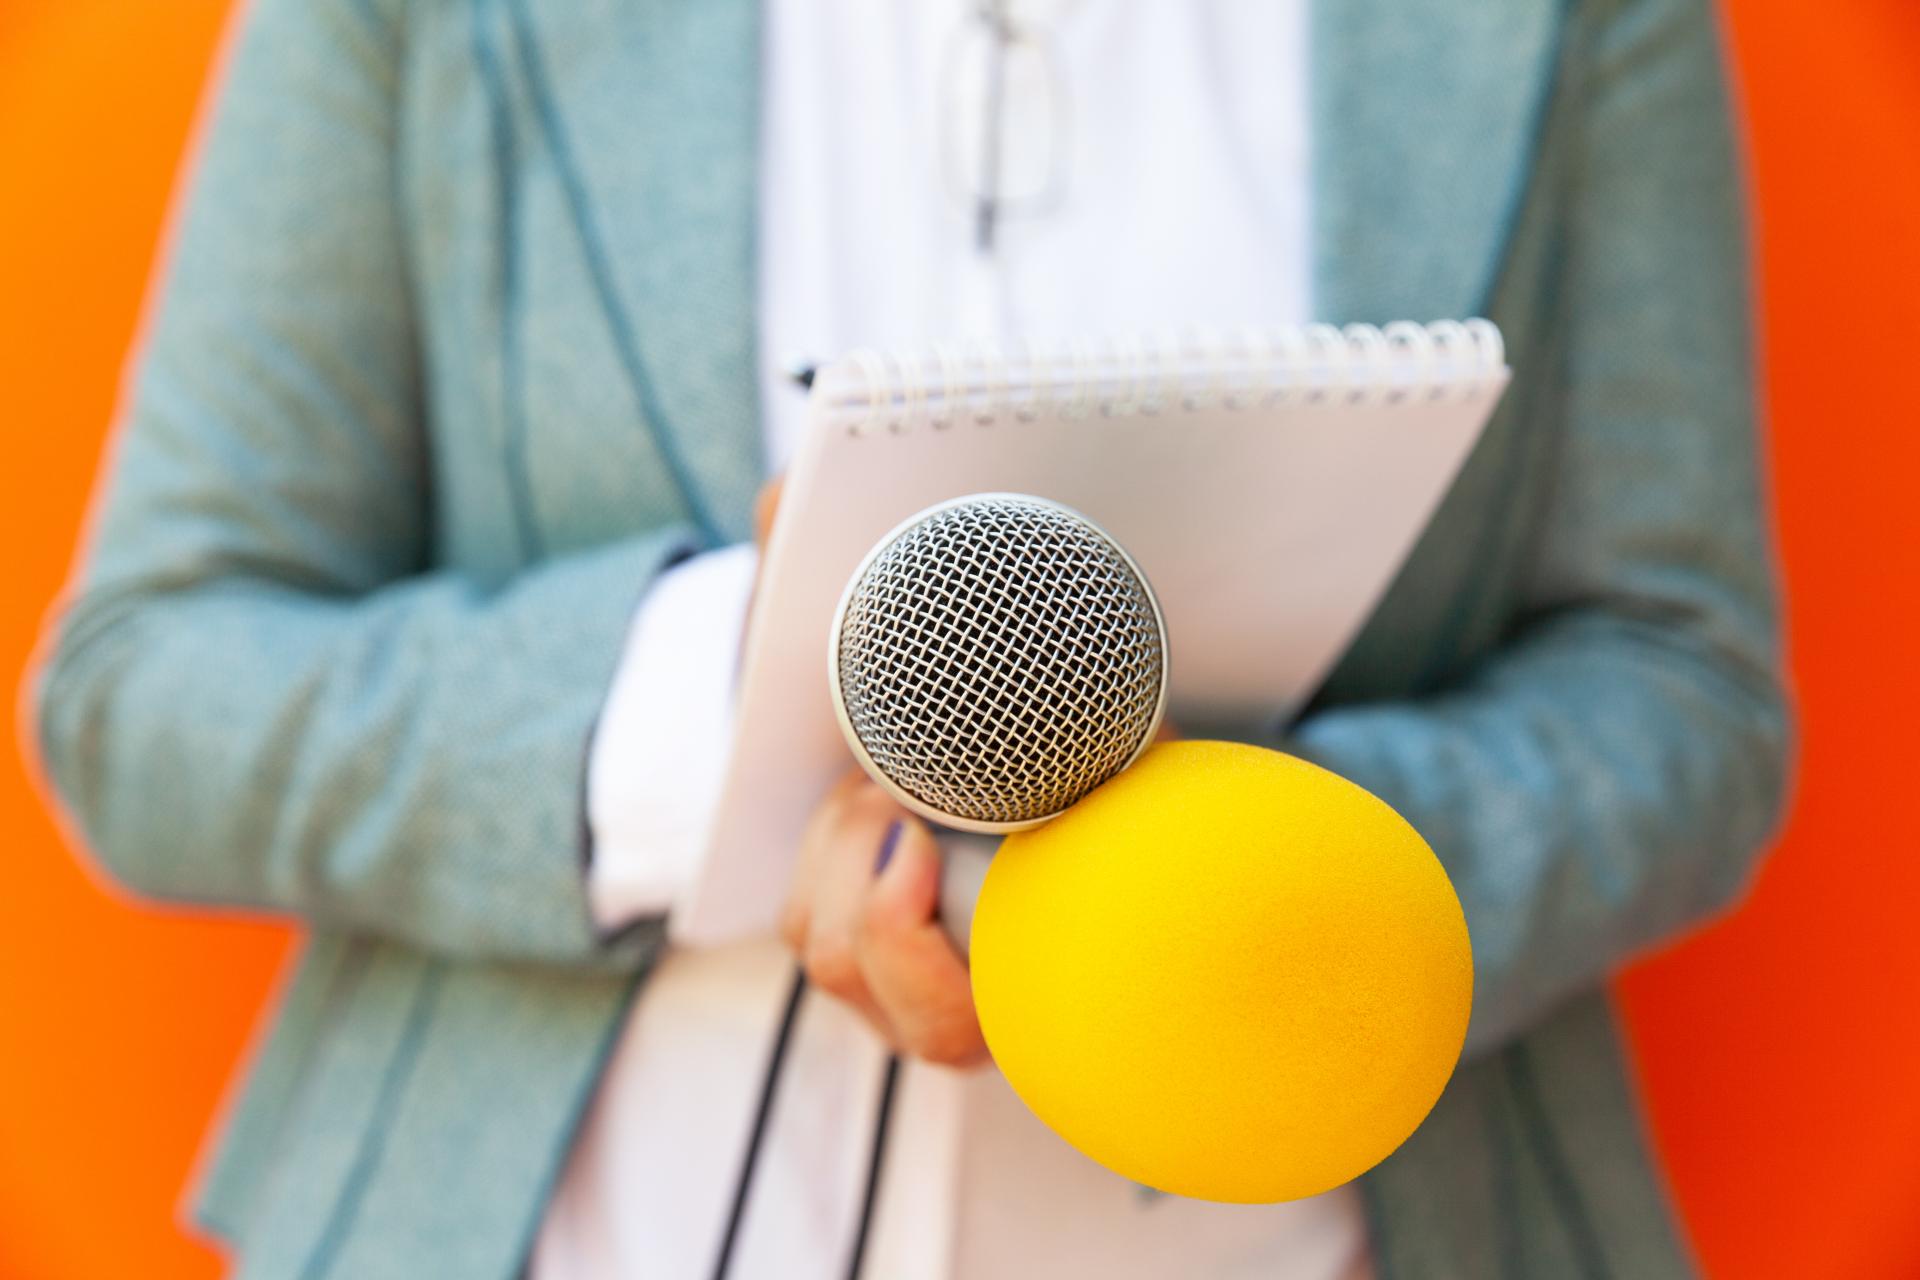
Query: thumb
{"x": 916, "y": 976}
{"x": 906, "y": 887}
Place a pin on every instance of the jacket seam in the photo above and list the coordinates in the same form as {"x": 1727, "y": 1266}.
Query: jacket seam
{"x": 1545, "y": 1147}
{"x": 507, "y": 266}
{"x": 579, "y": 204}
{"x": 1447, "y": 634}
{"x": 556, "y": 1164}
{"x": 373, "y": 1143}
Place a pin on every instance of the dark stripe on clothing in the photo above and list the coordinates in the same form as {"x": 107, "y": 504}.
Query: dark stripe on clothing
{"x": 769, "y": 1083}
{"x": 876, "y": 1162}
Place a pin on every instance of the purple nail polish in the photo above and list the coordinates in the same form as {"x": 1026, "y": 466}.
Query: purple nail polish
{"x": 887, "y": 846}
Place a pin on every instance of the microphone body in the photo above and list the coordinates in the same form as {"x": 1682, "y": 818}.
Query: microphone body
{"x": 993, "y": 660}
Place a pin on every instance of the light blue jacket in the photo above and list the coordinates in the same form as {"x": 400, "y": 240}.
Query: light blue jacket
{"x": 456, "y": 353}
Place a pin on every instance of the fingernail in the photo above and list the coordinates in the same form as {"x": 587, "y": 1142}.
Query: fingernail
{"x": 887, "y": 846}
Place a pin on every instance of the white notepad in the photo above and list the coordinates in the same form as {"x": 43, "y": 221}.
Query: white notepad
{"x": 1269, "y": 486}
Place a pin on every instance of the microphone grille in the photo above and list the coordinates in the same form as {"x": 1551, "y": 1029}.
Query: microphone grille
{"x": 997, "y": 659}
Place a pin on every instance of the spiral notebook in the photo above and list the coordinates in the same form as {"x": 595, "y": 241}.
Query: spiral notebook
{"x": 1268, "y": 485}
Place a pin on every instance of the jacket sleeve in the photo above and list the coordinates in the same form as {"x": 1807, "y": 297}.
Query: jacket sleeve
{"x": 1611, "y": 773}
{"x": 260, "y": 695}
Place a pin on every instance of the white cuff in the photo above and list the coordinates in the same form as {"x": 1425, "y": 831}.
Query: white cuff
{"x": 660, "y": 752}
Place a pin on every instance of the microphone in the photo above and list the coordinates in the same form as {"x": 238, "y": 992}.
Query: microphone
{"x": 1217, "y": 970}
{"x": 994, "y": 659}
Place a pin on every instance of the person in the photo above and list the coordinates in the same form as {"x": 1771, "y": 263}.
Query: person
{"x": 414, "y": 593}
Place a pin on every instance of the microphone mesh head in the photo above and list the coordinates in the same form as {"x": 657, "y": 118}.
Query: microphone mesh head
{"x": 997, "y": 659}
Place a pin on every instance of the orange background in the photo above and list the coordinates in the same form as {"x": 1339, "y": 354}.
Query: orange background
{"x": 1780, "y": 1050}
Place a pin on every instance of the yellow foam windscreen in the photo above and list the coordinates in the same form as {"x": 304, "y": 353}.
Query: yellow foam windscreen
{"x": 1227, "y": 974}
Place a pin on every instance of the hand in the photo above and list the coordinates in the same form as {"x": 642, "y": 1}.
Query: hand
{"x": 766, "y": 505}
{"x": 860, "y": 918}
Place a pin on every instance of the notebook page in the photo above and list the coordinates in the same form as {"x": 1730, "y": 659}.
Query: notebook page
{"x": 1268, "y": 528}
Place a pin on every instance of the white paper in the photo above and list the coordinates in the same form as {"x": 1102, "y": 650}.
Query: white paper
{"x": 1268, "y": 533}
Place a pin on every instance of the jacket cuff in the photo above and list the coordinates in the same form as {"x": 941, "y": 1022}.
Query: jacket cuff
{"x": 659, "y": 755}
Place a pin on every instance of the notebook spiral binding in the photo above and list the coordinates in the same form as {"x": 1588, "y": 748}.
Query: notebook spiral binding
{"x": 984, "y": 384}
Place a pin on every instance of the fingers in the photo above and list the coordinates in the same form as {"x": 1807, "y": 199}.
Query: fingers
{"x": 861, "y": 920}
{"x": 796, "y": 917}
{"x": 843, "y": 879}
{"x": 911, "y": 969}
{"x": 766, "y": 506}
{"x": 831, "y": 886}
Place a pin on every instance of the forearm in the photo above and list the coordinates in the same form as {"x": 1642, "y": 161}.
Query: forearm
{"x": 407, "y": 762}
{"x": 269, "y": 689}
{"x": 1597, "y": 788}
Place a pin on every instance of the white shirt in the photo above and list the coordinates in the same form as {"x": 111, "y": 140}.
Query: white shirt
{"x": 1155, "y": 173}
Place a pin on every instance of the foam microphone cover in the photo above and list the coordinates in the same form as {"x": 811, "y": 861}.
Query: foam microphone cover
{"x": 1226, "y": 973}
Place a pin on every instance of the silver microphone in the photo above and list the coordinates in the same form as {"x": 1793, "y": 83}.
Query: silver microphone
{"x": 994, "y": 659}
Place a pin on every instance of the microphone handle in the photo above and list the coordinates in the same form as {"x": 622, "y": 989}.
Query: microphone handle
{"x": 964, "y": 856}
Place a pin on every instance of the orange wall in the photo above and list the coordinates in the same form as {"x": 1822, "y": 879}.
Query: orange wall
{"x": 117, "y": 1023}
{"x": 1780, "y": 1050}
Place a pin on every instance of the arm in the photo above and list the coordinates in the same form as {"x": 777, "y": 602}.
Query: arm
{"x": 1611, "y": 774}
{"x": 260, "y": 694}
